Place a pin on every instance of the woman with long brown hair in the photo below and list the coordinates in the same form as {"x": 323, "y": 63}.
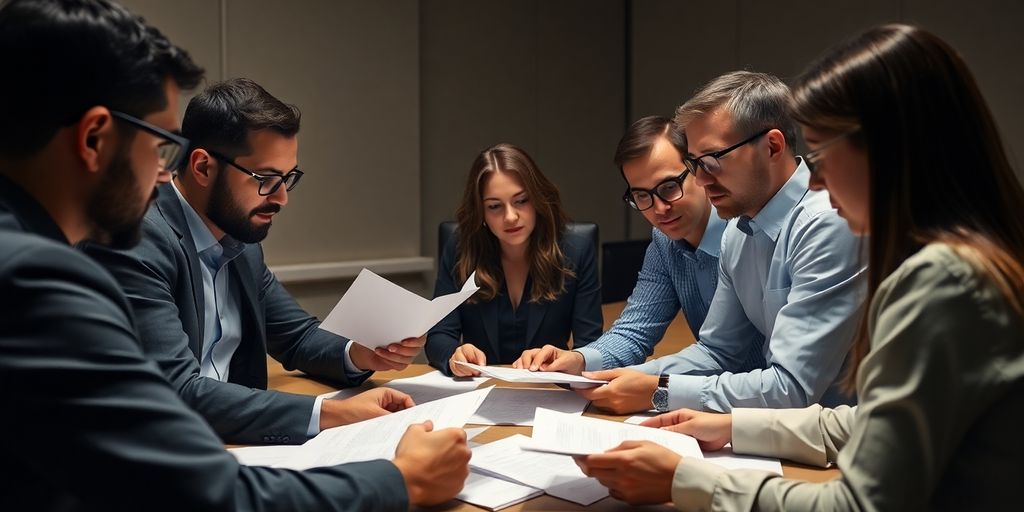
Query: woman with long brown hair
{"x": 902, "y": 139}
{"x": 538, "y": 281}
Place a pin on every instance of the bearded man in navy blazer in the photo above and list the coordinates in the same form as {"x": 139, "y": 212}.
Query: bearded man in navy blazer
{"x": 208, "y": 308}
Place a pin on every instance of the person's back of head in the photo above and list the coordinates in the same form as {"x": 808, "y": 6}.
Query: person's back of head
{"x": 62, "y": 57}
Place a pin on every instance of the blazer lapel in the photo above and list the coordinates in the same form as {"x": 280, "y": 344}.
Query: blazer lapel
{"x": 170, "y": 208}
{"x": 250, "y": 358}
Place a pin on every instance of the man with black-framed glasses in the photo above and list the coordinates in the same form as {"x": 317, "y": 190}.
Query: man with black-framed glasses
{"x": 207, "y": 307}
{"x": 790, "y": 280}
{"x": 680, "y": 268}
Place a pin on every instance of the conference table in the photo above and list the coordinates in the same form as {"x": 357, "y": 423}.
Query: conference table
{"x": 676, "y": 337}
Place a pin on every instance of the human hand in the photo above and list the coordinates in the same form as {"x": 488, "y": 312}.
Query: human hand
{"x": 550, "y": 358}
{"x": 396, "y": 356}
{"x": 467, "y": 354}
{"x": 368, "y": 404}
{"x": 711, "y": 429}
{"x": 627, "y": 390}
{"x": 637, "y": 472}
{"x": 435, "y": 465}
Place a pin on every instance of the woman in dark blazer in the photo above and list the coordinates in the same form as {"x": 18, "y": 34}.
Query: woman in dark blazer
{"x": 538, "y": 281}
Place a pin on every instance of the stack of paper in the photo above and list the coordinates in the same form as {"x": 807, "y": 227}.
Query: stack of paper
{"x": 375, "y": 312}
{"x": 495, "y": 493}
{"x": 516, "y": 406}
{"x": 559, "y": 476}
{"x": 569, "y": 434}
{"x": 424, "y": 388}
{"x": 526, "y": 376}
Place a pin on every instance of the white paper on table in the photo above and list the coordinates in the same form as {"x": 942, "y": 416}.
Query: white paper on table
{"x": 569, "y": 434}
{"x": 272, "y": 456}
{"x": 377, "y": 438}
{"x": 375, "y": 312}
{"x": 495, "y": 493}
{"x": 640, "y": 418}
{"x": 559, "y": 476}
{"x": 424, "y": 388}
{"x": 729, "y": 460}
{"x": 516, "y": 406}
{"x": 526, "y": 376}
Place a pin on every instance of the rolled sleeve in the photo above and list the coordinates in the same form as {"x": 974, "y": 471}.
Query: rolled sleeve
{"x": 693, "y": 484}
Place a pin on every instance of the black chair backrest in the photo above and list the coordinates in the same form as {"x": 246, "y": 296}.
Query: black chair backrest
{"x": 620, "y": 267}
{"x": 588, "y": 230}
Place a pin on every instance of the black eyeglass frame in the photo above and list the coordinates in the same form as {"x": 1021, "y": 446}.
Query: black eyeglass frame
{"x": 653, "y": 192}
{"x": 263, "y": 179}
{"x": 693, "y": 163}
{"x": 156, "y": 131}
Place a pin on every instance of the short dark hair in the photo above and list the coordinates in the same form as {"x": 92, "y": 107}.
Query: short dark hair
{"x": 641, "y": 136}
{"x": 221, "y": 117}
{"x": 63, "y": 57}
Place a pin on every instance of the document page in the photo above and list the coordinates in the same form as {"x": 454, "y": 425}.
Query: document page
{"x": 559, "y": 476}
{"x": 423, "y": 388}
{"x": 495, "y": 493}
{"x": 377, "y": 438}
{"x": 516, "y": 406}
{"x": 375, "y": 312}
{"x": 524, "y": 375}
{"x": 729, "y": 460}
{"x": 569, "y": 434}
{"x": 272, "y": 456}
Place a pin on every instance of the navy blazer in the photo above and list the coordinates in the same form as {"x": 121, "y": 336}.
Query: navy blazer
{"x": 577, "y": 311}
{"x": 164, "y": 283}
{"x": 113, "y": 434}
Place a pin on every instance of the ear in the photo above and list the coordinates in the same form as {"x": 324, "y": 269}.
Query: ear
{"x": 201, "y": 167}
{"x": 776, "y": 143}
{"x": 95, "y": 136}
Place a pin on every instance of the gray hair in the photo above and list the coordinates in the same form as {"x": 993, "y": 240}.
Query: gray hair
{"x": 755, "y": 101}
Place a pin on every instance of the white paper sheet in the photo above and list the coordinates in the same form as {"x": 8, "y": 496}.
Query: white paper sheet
{"x": 375, "y": 312}
{"x": 524, "y": 375}
{"x": 273, "y": 456}
{"x": 516, "y": 406}
{"x": 559, "y": 476}
{"x": 569, "y": 434}
{"x": 377, "y": 438}
{"x": 729, "y": 460}
{"x": 640, "y": 418}
{"x": 423, "y": 388}
{"x": 495, "y": 493}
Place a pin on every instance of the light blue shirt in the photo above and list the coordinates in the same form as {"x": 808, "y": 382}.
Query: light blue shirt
{"x": 222, "y": 322}
{"x": 790, "y": 288}
{"x": 675, "y": 276}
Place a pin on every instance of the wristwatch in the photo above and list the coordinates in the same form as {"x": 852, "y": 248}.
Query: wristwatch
{"x": 660, "y": 397}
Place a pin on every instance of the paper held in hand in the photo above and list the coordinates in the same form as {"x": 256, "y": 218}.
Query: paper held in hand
{"x": 375, "y": 312}
{"x": 523, "y": 375}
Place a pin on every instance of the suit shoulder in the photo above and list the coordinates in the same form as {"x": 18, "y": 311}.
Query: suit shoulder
{"x": 25, "y": 257}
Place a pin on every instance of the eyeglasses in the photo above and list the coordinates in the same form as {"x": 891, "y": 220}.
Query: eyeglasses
{"x": 171, "y": 151}
{"x": 709, "y": 161}
{"x": 269, "y": 183}
{"x": 668, "y": 190}
{"x": 814, "y": 157}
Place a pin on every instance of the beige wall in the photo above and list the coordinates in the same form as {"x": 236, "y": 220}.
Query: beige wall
{"x": 398, "y": 96}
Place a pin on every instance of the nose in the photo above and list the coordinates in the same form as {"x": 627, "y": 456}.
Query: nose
{"x": 661, "y": 206}
{"x": 511, "y": 215}
{"x": 163, "y": 176}
{"x": 816, "y": 182}
{"x": 280, "y": 196}
{"x": 702, "y": 177}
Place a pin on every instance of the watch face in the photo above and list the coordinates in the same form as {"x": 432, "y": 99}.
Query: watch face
{"x": 660, "y": 399}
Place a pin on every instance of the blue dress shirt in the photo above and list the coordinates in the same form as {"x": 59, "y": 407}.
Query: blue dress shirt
{"x": 674, "y": 276}
{"x": 790, "y": 288}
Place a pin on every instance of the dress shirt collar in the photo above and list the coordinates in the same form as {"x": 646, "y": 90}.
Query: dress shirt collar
{"x": 212, "y": 251}
{"x": 773, "y": 215}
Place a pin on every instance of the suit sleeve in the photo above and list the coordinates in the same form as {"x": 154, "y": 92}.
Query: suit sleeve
{"x": 239, "y": 414}
{"x": 587, "y": 320}
{"x": 71, "y": 371}
{"x": 444, "y": 338}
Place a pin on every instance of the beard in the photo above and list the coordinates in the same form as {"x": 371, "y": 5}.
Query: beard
{"x": 115, "y": 208}
{"x": 231, "y": 219}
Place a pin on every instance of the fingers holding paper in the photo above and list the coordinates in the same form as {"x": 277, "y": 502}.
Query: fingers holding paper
{"x": 550, "y": 358}
{"x": 401, "y": 353}
{"x": 435, "y": 465}
{"x": 365, "y": 405}
{"x": 627, "y": 391}
{"x": 466, "y": 353}
{"x": 712, "y": 430}
{"x": 637, "y": 472}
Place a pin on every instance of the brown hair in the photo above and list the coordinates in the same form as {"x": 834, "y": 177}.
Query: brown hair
{"x": 913, "y": 100}
{"x": 639, "y": 139}
{"x": 479, "y": 250}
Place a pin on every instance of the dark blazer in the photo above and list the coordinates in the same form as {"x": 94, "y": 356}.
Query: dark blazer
{"x": 93, "y": 425}
{"x": 576, "y": 312}
{"x": 163, "y": 281}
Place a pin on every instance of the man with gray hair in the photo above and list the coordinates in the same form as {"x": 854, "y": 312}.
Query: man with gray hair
{"x": 790, "y": 280}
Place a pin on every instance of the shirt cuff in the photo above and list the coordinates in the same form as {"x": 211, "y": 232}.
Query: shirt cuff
{"x": 351, "y": 370}
{"x": 314, "y": 420}
{"x": 685, "y": 391}
{"x": 593, "y": 360}
{"x": 693, "y": 484}
{"x": 748, "y": 429}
